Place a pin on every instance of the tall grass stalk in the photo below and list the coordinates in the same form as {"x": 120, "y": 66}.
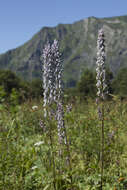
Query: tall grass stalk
{"x": 101, "y": 92}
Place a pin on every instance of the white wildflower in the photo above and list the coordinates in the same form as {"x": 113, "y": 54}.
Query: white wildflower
{"x": 34, "y": 167}
{"x": 100, "y": 70}
{"x": 52, "y": 84}
{"x": 39, "y": 143}
{"x": 34, "y": 108}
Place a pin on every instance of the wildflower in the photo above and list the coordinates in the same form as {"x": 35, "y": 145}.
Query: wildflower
{"x": 68, "y": 108}
{"x": 42, "y": 125}
{"x": 39, "y": 143}
{"x": 101, "y": 91}
{"x": 60, "y": 124}
{"x": 34, "y": 108}
{"x": 53, "y": 95}
{"x": 100, "y": 70}
{"x": 34, "y": 167}
{"x": 58, "y": 92}
{"x": 53, "y": 85}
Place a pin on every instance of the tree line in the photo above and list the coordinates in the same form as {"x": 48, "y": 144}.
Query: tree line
{"x": 15, "y": 89}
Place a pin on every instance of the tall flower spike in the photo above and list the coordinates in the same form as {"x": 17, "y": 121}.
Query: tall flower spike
{"x": 47, "y": 56}
{"x": 56, "y": 69}
{"x": 101, "y": 92}
{"x": 52, "y": 84}
{"x": 58, "y": 93}
{"x": 100, "y": 70}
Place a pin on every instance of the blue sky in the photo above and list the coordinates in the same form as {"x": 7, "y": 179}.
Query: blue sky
{"x": 21, "y": 19}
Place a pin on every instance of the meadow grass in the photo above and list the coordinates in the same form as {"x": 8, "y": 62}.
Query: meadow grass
{"x": 26, "y": 157}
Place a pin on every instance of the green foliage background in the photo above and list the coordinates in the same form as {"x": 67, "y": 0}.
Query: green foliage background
{"x": 26, "y": 166}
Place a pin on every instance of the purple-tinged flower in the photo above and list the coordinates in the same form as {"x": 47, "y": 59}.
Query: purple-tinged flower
{"x": 52, "y": 83}
{"x": 47, "y": 56}
{"x": 100, "y": 69}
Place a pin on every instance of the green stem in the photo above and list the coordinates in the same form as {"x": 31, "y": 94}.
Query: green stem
{"x": 69, "y": 156}
{"x": 102, "y": 145}
{"x": 52, "y": 157}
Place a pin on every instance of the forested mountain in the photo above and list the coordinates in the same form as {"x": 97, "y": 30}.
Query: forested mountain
{"x": 77, "y": 45}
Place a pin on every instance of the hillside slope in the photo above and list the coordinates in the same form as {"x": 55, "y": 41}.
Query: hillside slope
{"x": 78, "y": 47}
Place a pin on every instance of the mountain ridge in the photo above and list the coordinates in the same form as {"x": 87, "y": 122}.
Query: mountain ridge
{"x": 77, "y": 45}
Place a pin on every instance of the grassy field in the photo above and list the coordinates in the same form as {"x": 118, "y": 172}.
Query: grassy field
{"x": 29, "y": 162}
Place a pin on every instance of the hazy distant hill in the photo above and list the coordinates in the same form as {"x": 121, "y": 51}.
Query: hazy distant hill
{"x": 78, "y": 47}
